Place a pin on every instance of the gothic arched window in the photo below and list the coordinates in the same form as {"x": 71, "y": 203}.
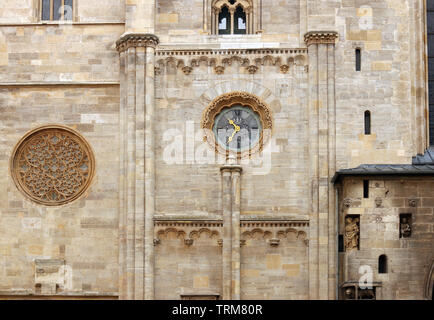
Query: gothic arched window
{"x": 240, "y": 21}
{"x": 232, "y": 17}
{"x": 224, "y": 21}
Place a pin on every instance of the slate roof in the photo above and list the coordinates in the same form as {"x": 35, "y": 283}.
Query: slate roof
{"x": 421, "y": 165}
{"x": 426, "y": 158}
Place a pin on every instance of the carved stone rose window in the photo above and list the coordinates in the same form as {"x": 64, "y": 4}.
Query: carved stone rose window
{"x": 52, "y": 165}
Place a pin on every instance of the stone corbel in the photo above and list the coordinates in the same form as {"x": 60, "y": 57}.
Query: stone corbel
{"x": 320, "y": 37}
{"x": 132, "y": 40}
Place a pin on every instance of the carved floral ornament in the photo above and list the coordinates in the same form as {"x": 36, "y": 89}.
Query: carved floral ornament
{"x": 320, "y": 37}
{"x": 52, "y": 165}
{"x": 285, "y": 60}
{"x": 237, "y": 98}
{"x": 133, "y": 40}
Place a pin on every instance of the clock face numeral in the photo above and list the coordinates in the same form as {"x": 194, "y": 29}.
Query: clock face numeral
{"x": 237, "y": 128}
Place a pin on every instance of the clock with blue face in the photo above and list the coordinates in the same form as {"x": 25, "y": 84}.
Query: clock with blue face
{"x": 237, "y": 128}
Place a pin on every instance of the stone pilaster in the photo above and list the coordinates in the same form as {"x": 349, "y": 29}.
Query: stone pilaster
{"x": 137, "y": 104}
{"x": 231, "y": 191}
{"x": 322, "y": 160}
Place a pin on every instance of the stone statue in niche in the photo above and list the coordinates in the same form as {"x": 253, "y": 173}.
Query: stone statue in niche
{"x": 405, "y": 227}
{"x": 351, "y": 233}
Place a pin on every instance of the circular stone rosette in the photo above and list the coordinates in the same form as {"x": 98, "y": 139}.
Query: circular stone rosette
{"x": 228, "y": 100}
{"x": 52, "y": 165}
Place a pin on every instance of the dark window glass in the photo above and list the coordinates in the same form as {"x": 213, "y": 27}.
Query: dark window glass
{"x": 57, "y": 9}
{"x": 358, "y": 60}
{"x": 367, "y": 122}
{"x": 224, "y": 21}
{"x": 382, "y": 264}
{"x": 240, "y": 21}
{"x": 68, "y": 10}
{"x": 45, "y": 9}
{"x": 365, "y": 188}
{"x": 341, "y": 243}
{"x": 430, "y": 28}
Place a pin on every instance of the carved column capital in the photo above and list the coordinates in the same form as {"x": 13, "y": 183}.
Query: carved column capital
{"x": 320, "y": 37}
{"x": 131, "y": 40}
{"x": 231, "y": 168}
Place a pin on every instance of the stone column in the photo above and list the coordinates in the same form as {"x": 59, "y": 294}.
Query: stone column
{"x": 137, "y": 54}
{"x": 232, "y": 12}
{"x": 322, "y": 161}
{"x": 231, "y": 191}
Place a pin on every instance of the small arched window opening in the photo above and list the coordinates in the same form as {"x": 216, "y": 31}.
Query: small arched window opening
{"x": 358, "y": 59}
{"x": 224, "y": 21}
{"x": 382, "y": 264}
{"x": 240, "y": 21}
{"x": 367, "y": 122}
{"x": 232, "y": 17}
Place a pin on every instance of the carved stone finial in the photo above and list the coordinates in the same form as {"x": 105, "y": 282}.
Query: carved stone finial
{"x": 284, "y": 68}
{"x": 132, "y": 40}
{"x": 219, "y": 69}
{"x": 274, "y": 242}
{"x": 320, "y": 37}
{"x": 252, "y": 69}
{"x": 187, "y": 69}
{"x": 188, "y": 242}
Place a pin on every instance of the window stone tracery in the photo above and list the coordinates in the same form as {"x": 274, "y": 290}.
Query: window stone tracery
{"x": 52, "y": 165}
{"x": 232, "y": 17}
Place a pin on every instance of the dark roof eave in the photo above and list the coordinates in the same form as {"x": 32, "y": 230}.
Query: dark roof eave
{"x": 339, "y": 174}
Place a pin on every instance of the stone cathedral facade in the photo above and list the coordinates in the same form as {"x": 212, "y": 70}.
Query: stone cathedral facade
{"x": 216, "y": 149}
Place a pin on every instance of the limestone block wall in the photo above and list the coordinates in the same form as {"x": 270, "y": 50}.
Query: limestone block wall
{"x": 191, "y": 185}
{"x": 274, "y": 264}
{"x": 188, "y": 260}
{"x": 17, "y": 11}
{"x": 190, "y": 22}
{"x": 66, "y": 53}
{"x": 83, "y": 233}
{"x": 408, "y": 259}
{"x": 390, "y": 84}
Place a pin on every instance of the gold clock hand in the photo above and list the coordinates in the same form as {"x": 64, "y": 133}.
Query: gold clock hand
{"x": 231, "y": 137}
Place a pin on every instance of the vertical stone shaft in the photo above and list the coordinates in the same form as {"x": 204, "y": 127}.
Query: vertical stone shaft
{"x": 149, "y": 172}
{"x": 332, "y": 223}
{"x": 137, "y": 54}
{"x": 139, "y": 174}
{"x": 227, "y": 232}
{"x": 322, "y": 161}
{"x": 122, "y": 180}
{"x": 231, "y": 191}
{"x": 323, "y": 171}
{"x": 130, "y": 140}
{"x": 313, "y": 171}
{"x": 236, "y": 251}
